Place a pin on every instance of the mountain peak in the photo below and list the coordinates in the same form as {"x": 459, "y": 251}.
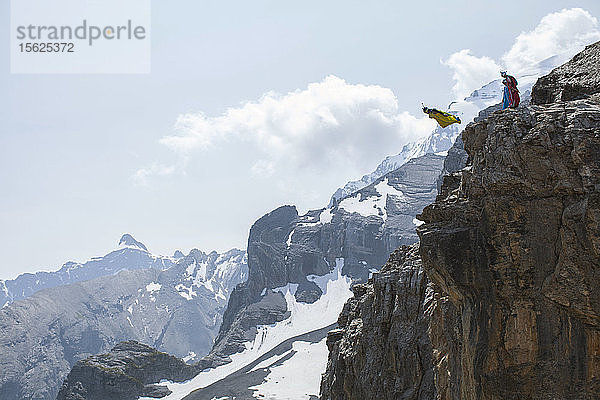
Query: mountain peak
{"x": 128, "y": 241}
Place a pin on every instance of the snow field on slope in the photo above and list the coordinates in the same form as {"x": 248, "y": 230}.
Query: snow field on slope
{"x": 373, "y": 205}
{"x": 298, "y": 377}
{"x": 304, "y": 318}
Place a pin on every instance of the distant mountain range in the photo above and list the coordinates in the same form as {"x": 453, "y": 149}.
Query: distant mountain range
{"x": 129, "y": 255}
{"x": 174, "y": 304}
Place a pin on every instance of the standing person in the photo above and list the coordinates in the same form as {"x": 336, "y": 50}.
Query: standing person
{"x": 510, "y": 91}
{"x": 506, "y": 95}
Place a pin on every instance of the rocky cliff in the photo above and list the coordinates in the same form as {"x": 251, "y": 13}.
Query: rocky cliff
{"x": 381, "y": 349}
{"x": 511, "y": 248}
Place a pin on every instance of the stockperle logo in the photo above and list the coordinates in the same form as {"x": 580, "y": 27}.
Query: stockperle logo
{"x": 80, "y": 36}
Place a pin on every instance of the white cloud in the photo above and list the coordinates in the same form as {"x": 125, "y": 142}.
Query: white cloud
{"x": 565, "y": 31}
{"x": 142, "y": 176}
{"x": 470, "y": 72}
{"x": 263, "y": 168}
{"x": 329, "y": 124}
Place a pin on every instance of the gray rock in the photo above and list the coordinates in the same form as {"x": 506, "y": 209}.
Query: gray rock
{"x": 381, "y": 349}
{"x": 126, "y": 373}
{"x": 455, "y": 160}
{"x": 513, "y": 248}
{"x": 577, "y": 79}
{"x": 308, "y": 292}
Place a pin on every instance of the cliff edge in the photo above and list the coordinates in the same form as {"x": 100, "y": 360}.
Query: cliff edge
{"x": 511, "y": 253}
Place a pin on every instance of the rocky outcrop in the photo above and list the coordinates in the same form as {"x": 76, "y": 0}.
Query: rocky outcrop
{"x": 455, "y": 160}
{"x": 512, "y": 245}
{"x": 177, "y": 310}
{"x": 125, "y": 373}
{"x": 577, "y": 79}
{"x": 381, "y": 348}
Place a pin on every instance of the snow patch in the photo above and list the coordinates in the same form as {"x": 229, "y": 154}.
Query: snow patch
{"x": 190, "y": 356}
{"x": 356, "y": 204}
{"x": 326, "y": 216}
{"x": 153, "y": 287}
{"x": 185, "y": 292}
{"x": 288, "y": 242}
{"x": 130, "y": 309}
{"x": 372, "y": 205}
{"x": 417, "y": 222}
{"x": 322, "y": 280}
{"x": 201, "y": 272}
{"x": 294, "y": 379}
{"x": 190, "y": 268}
{"x": 129, "y": 320}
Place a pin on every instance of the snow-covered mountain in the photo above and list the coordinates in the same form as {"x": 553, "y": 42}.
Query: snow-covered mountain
{"x": 178, "y": 310}
{"x": 491, "y": 93}
{"x": 439, "y": 141}
{"x": 301, "y": 270}
{"x": 129, "y": 255}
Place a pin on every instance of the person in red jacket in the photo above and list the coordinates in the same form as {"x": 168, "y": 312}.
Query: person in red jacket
{"x": 510, "y": 83}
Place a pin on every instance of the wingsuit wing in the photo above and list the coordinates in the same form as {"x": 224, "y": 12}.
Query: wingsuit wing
{"x": 443, "y": 118}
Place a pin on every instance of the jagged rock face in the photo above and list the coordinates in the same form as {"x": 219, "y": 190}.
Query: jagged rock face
{"x": 363, "y": 229}
{"x": 271, "y": 308}
{"x": 513, "y": 242}
{"x": 177, "y": 310}
{"x": 455, "y": 160}
{"x": 126, "y": 373}
{"x": 577, "y": 79}
{"x": 381, "y": 349}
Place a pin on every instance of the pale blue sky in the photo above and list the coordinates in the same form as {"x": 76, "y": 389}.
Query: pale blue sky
{"x": 71, "y": 144}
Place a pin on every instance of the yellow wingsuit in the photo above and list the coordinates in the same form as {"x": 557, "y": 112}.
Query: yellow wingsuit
{"x": 443, "y": 118}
